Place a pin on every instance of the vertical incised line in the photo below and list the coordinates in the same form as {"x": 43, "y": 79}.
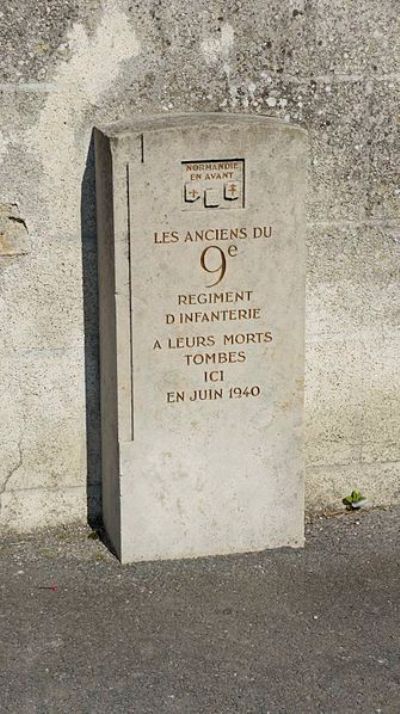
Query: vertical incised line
{"x": 142, "y": 147}
{"x": 130, "y": 300}
{"x": 244, "y": 184}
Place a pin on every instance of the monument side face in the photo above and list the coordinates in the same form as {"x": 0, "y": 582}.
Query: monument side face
{"x": 208, "y": 246}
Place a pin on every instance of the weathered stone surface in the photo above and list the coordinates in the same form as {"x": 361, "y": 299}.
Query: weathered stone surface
{"x": 201, "y": 273}
{"x": 13, "y": 232}
{"x": 352, "y": 382}
{"x": 332, "y": 67}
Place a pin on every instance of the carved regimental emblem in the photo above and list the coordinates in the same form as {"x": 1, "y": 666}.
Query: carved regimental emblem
{"x": 213, "y": 184}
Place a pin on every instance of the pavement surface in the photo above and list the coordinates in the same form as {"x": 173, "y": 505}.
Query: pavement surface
{"x": 313, "y": 630}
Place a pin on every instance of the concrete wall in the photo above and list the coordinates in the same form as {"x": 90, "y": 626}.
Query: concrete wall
{"x": 66, "y": 65}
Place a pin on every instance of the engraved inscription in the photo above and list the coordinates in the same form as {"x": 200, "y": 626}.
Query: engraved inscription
{"x": 233, "y": 323}
{"x": 213, "y": 184}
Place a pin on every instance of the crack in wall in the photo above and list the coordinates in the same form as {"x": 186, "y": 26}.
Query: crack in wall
{"x": 11, "y": 472}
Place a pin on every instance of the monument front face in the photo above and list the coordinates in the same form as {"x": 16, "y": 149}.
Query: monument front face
{"x": 201, "y": 233}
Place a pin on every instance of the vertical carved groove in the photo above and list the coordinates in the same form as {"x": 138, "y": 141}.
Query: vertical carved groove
{"x": 130, "y": 302}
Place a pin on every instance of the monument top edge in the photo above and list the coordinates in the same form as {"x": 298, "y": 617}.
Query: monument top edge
{"x": 159, "y": 122}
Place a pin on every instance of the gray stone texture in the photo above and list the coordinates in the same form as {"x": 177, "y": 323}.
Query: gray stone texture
{"x": 333, "y": 68}
{"x": 286, "y": 631}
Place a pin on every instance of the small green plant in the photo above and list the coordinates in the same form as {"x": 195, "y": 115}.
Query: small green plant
{"x": 354, "y": 501}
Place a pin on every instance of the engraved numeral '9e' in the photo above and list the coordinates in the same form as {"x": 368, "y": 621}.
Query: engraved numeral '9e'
{"x": 220, "y": 268}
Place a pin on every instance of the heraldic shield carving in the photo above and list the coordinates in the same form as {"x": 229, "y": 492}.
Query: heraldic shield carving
{"x": 213, "y": 184}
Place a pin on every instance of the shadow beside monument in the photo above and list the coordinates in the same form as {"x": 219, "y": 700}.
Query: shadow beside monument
{"x": 91, "y": 328}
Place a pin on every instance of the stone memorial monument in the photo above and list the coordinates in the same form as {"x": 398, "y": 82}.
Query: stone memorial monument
{"x": 201, "y": 274}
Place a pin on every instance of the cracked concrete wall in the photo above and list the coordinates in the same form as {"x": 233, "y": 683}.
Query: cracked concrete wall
{"x": 67, "y": 65}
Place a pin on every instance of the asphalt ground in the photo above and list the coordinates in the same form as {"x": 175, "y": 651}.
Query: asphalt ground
{"x": 313, "y": 630}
